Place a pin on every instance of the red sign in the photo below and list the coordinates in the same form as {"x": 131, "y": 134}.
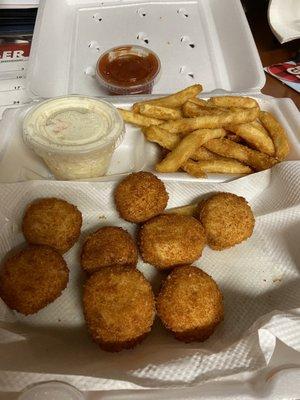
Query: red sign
{"x": 14, "y": 51}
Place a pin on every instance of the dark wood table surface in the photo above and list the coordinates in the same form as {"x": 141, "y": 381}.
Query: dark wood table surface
{"x": 270, "y": 50}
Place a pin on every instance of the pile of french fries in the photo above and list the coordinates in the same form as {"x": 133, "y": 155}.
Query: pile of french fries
{"x": 224, "y": 134}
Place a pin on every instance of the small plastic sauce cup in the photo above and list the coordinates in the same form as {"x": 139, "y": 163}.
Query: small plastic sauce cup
{"x": 74, "y": 135}
{"x": 128, "y": 70}
{"x": 52, "y": 390}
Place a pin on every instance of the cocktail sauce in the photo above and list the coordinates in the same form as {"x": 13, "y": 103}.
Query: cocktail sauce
{"x": 128, "y": 69}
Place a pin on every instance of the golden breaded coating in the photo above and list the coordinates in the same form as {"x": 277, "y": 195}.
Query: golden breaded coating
{"x": 190, "y": 304}
{"x": 119, "y": 307}
{"x": 33, "y": 278}
{"x": 227, "y": 220}
{"x": 52, "y": 222}
{"x": 140, "y": 196}
{"x": 169, "y": 240}
{"x": 110, "y": 245}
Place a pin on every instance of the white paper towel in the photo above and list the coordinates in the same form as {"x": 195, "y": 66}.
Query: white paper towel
{"x": 284, "y": 19}
{"x": 259, "y": 279}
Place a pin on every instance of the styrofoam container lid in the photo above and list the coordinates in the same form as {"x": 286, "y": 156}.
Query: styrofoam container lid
{"x": 201, "y": 41}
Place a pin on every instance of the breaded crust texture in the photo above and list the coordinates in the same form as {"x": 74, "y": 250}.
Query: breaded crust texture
{"x": 119, "y": 307}
{"x": 140, "y": 196}
{"x": 33, "y": 278}
{"x": 170, "y": 240}
{"x": 52, "y": 222}
{"x": 110, "y": 245}
{"x": 227, "y": 220}
{"x": 190, "y": 304}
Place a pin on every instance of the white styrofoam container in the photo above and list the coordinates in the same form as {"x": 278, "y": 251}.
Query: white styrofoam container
{"x": 19, "y": 163}
{"x": 206, "y": 41}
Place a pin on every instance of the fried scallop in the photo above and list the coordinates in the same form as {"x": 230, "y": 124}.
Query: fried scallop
{"x": 33, "y": 278}
{"x": 140, "y": 196}
{"x": 227, "y": 220}
{"x": 119, "y": 307}
{"x": 169, "y": 240}
{"x": 190, "y": 304}
{"x": 110, "y": 245}
{"x": 52, "y": 222}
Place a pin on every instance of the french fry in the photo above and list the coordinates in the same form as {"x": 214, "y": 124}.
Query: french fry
{"x": 255, "y": 159}
{"x": 162, "y": 137}
{"x": 192, "y": 168}
{"x": 233, "y": 101}
{"x": 174, "y": 100}
{"x": 277, "y": 134}
{"x": 185, "y": 125}
{"x": 212, "y": 107}
{"x": 191, "y": 109}
{"x": 169, "y": 141}
{"x": 188, "y": 210}
{"x": 222, "y": 166}
{"x": 199, "y": 102}
{"x": 159, "y": 112}
{"x": 260, "y": 127}
{"x": 183, "y": 151}
{"x": 202, "y": 154}
{"x": 256, "y": 137}
{"x": 137, "y": 119}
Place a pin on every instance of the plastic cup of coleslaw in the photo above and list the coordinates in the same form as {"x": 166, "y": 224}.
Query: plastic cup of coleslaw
{"x": 74, "y": 135}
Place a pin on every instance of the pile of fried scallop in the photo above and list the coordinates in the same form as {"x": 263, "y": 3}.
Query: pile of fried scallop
{"x": 118, "y": 302}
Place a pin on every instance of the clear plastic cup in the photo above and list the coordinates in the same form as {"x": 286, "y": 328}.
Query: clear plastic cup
{"x": 51, "y": 391}
{"x": 74, "y": 135}
{"x": 128, "y": 69}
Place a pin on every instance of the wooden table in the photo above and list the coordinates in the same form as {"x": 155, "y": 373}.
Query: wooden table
{"x": 270, "y": 50}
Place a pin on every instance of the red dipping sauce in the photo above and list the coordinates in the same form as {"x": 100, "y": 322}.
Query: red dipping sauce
{"x": 128, "y": 70}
